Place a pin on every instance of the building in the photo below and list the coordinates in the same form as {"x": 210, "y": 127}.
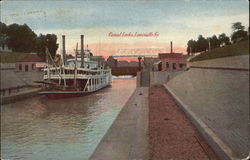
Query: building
{"x": 122, "y": 63}
{"x": 99, "y": 59}
{"x": 171, "y": 62}
{"x": 133, "y": 64}
{"x": 30, "y": 63}
{"x": 112, "y": 62}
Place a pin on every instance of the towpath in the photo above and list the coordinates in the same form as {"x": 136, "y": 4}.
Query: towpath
{"x": 127, "y": 138}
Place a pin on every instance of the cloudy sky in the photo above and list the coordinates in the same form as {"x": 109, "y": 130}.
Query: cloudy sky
{"x": 173, "y": 20}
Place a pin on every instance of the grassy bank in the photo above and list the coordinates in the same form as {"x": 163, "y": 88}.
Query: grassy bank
{"x": 11, "y": 57}
{"x": 240, "y": 48}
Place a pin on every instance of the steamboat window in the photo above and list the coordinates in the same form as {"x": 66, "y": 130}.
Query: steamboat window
{"x": 180, "y": 65}
{"x": 33, "y": 66}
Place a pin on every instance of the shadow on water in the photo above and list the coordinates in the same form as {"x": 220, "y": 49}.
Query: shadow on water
{"x": 38, "y": 126}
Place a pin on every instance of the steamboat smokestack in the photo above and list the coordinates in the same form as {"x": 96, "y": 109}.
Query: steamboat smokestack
{"x": 171, "y": 47}
{"x": 63, "y": 49}
{"x": 82, "y": 50}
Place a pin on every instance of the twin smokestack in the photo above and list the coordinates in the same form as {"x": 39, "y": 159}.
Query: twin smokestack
{"x": 64, "y": 50}
{"x": 171, "y": 47}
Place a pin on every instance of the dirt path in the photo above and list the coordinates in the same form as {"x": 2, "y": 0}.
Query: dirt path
{"x": 171, "y": 134}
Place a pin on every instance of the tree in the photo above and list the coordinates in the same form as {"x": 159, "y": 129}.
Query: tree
{"x": 21, "y": 38}
{"x": 48, "y": 41}
{"x": 239, "y": 35}
{"x": 51, "y": 40}
{"x": 214, "y": 42}
{"x": 191, "y": 47}
{"x": 202, "y": 44}
{"x": 41, "y": 45}
{"x": 238, "y": 32}
{"x": 3, "y": 28}
{"x": 3, "y": 36}
{"x": 237, "y": 26}
{"x": 223, "y": 39}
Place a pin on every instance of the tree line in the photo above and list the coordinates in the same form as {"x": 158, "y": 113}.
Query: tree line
{"x": 21, "y": 38}
{"x": 203, "y": 44}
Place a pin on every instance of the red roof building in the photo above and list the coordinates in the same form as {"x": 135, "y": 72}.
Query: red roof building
{"x": 171, "y": 55}
{"x": 31, "y": 58}
{"x": 29, "y": 63}
{"x": 172, "y": 62}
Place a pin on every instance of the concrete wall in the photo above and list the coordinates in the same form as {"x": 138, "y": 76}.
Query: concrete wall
{"x": 138, "y": 79}
{"x": 10, "y": 78}
{"x": 30, "y": 77}
{"x": 162, "y": 77}
{"x": 7, "y": 66}
{"x": 220, "y": 98}
{"x": 146, "y": 78}
{"x": 228, "y": 62}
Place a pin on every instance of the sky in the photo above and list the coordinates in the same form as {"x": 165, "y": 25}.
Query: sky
{"x": 152, "y": 23}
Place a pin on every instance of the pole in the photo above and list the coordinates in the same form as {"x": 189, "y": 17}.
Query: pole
{"x": 75, "y": 70}
{"x": 63, "y": 58}
{"x": 209, "y": 45}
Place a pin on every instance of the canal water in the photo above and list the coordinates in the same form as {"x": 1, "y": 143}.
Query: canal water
{"x": 39, "y": 128}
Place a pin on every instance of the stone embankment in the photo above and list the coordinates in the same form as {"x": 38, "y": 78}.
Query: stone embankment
{"x": 215, "y": 96}
{"x": 17, "y": 85}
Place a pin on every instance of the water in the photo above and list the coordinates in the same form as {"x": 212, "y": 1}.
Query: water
{"x": 39, "y": 128}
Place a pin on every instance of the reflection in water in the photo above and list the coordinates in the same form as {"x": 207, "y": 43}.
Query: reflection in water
{"x": 41, "y": 128}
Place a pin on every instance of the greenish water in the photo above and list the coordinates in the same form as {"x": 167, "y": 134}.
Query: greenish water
{"x": 39, "y": 128}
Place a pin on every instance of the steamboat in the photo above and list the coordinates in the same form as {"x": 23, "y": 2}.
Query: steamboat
{"x": 75, "y": 76}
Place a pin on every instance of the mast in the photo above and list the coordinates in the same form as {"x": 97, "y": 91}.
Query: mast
{"x": 75, "y": 70}
{"x": 47, "y": 60}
